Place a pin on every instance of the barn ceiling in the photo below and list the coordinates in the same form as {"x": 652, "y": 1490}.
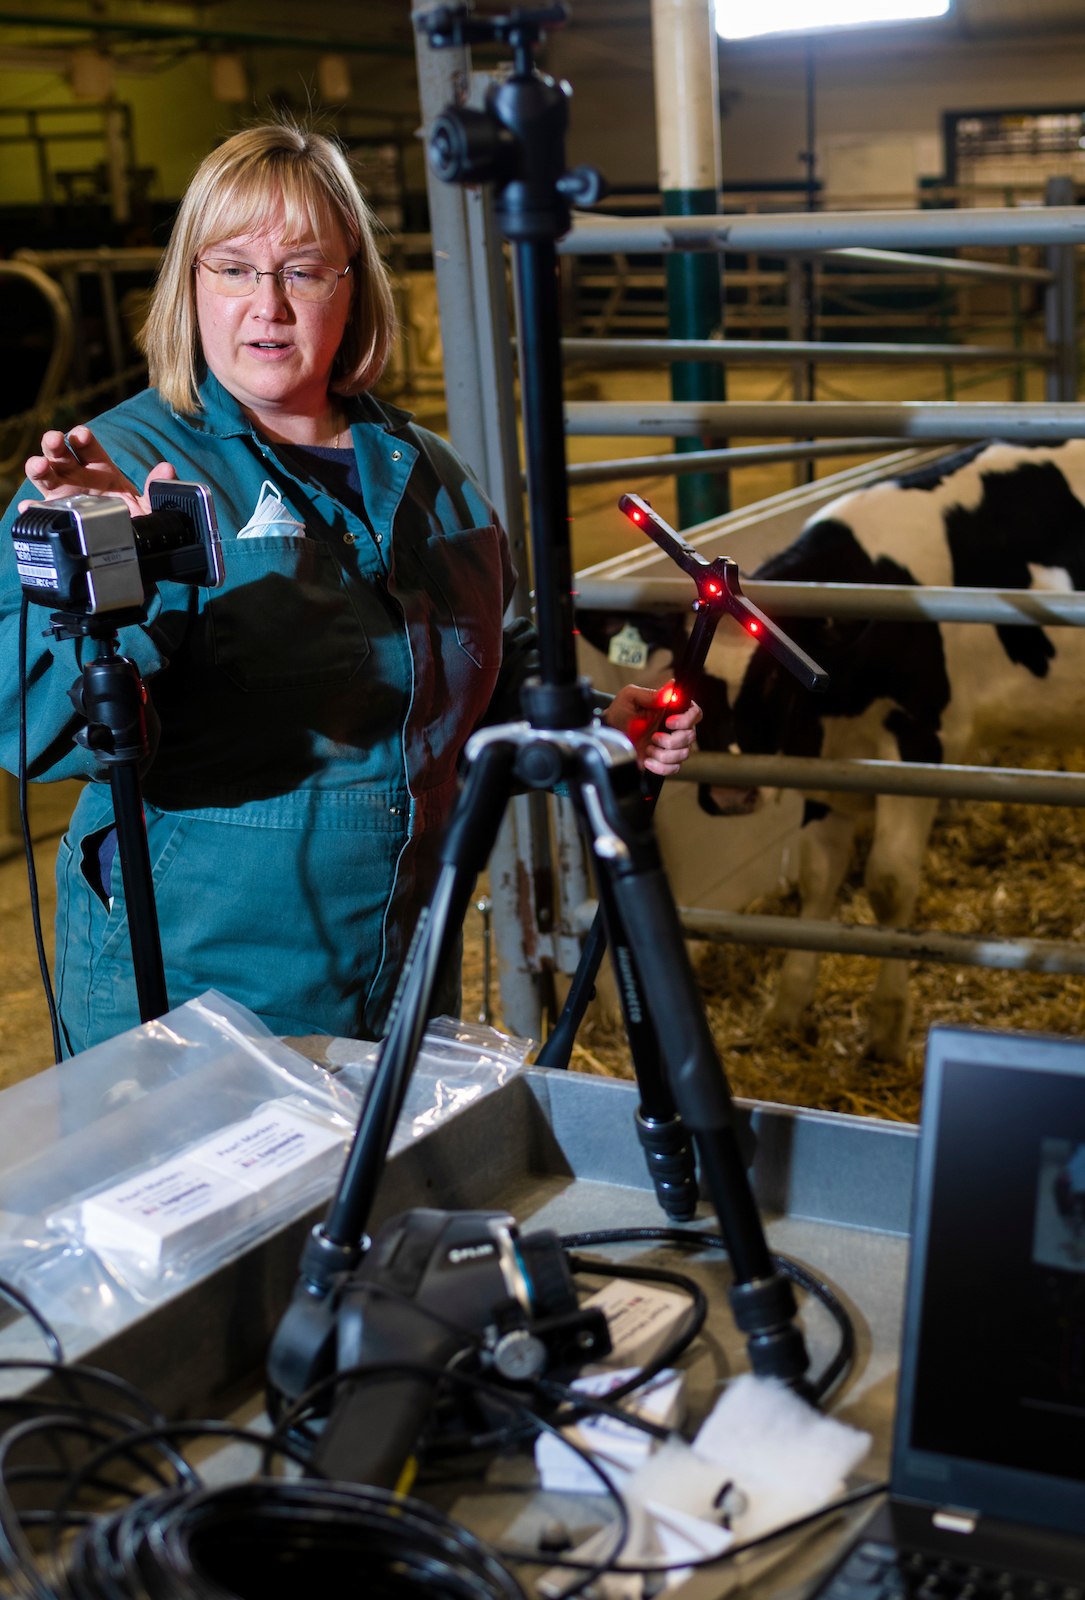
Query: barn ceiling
{"x": 385, "y": 25}
{"x": 33, "y": 31}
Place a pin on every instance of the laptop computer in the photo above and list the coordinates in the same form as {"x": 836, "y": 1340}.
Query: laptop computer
{"x": 987, "y": 1484}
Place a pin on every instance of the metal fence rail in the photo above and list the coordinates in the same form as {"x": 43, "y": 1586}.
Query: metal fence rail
{"x": 885, "y": 944}
{"x": 938, "y": 421}
{"x": 1049, "y": 608}
{"x": 719, "y": 460}
{"x": 772, "y": 352}
{"x": 813, "y": 232}
{"x": 933, "y": 780}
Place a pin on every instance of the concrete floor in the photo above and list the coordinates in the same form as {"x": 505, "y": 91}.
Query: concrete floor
{"x": 26, "y": 1042}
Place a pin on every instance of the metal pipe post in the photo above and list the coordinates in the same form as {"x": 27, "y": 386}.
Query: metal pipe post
{"x": 688, "y": 137}
{"x": 1060, "y": 303}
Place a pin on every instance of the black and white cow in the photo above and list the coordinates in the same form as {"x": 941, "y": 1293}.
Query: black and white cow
{"x": 993, "y": 516}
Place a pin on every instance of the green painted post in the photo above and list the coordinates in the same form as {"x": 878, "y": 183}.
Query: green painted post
{"x": 695, "y": 311}
{"x": 684, "y": 54}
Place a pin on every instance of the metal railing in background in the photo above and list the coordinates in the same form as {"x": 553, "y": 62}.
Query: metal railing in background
{"x": 73, "y": 270}
{"x": 19, "y": 434}
{"x": 1021, "y": 786}
{"x": 880, "y": 241}
{"x": 806, "y": 428}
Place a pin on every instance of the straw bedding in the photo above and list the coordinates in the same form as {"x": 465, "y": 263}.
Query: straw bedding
{"x": 995, "y": 870}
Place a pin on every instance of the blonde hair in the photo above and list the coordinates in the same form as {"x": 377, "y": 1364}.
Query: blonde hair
{"x": 305, "y": 175}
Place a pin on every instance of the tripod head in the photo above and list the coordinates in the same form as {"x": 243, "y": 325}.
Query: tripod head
{"x": 517, "y": 141}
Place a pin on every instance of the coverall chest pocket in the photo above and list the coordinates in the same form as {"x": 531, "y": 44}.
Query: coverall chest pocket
{"x": 285, "y": 617}
{"x": 465, "y": 569}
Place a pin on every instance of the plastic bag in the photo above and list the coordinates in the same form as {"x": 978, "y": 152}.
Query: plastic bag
{"x": 458, "y": 1062}
{"x": 159, "y": 1155}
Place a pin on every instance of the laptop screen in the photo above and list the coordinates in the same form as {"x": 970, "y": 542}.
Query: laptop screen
{"x": 991, "y": 1402}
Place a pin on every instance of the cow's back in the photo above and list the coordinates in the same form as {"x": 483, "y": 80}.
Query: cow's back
{"x": 997, "y": 516}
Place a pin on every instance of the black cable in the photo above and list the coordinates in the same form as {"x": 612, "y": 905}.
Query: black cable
{"x": 577, "y": 1404}
{"x": 314, "y": 1397}
{"x": 841, "y": 1362}
{"x": 131, "y": 1446}
{"x": 267, "y": 1537}
{"x": 24, "y": 821}
{"x": 687, "y": 1332}
{"x": 22, "y": 1303}
{"x": 88, "y": 1424}
{"x": 838, "y": 1368}
{"x": 73, "y": 1372}
{"x": 57, "y": 1420}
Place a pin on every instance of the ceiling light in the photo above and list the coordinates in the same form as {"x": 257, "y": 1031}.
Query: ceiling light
{"x": 750, "y": 19}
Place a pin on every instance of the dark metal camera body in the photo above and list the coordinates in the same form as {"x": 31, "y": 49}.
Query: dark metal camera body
{"x": 86, "y": 555}
{"x": 439, "y": 1288}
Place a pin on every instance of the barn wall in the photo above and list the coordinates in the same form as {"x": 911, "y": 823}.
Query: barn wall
{"x": 897, "y": 87}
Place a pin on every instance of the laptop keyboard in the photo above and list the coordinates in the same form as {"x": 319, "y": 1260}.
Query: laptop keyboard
{"x": 876, "y": 1571}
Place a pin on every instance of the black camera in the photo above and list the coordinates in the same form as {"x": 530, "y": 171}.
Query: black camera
{"x": 437, "y": 1289}
{"x": 87, "y": 555}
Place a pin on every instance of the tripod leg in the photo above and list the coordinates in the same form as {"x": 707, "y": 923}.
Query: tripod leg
{"x": 467, "y": 844}
{"x": 139, "y": 892}
{"x": 303, "y": 1348}
{"x": 558, "y": 1049}
{"x": 642, "y": 915}
{"x": 110, "y": 696}
{"x": 663, "y": 1137}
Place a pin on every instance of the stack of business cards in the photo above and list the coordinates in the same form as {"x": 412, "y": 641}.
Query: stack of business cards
{"x": 167, "y": 1212}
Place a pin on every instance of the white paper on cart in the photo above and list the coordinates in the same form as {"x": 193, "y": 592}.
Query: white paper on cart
{"x": 170, "y": 1209}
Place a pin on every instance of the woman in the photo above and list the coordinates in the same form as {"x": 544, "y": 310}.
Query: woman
{"x": 312, "y": 710}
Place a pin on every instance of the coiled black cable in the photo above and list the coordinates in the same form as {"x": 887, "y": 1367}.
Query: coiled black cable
{"x": 21, "y": 1302}
{"x": 692, "y": 1239}
{"x": 267, "y": 1539}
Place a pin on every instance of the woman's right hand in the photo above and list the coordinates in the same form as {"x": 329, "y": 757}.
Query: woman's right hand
{"x": 75, "y": 463}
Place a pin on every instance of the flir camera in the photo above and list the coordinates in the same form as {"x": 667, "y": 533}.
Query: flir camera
{"x": 86, "y": 555}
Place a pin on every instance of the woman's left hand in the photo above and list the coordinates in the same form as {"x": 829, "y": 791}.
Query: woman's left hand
{"x": 75, "y": 463}
{"x": 633, "y": 711}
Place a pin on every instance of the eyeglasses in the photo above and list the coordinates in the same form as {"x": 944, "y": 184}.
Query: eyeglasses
{"x": 300, "y": 282}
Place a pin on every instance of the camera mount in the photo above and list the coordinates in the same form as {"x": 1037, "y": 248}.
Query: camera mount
{"x": 100, "y": 565}
{"x": 516, "y": 143}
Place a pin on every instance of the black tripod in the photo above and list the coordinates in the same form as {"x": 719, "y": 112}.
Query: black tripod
{"x": 517, "y": 144}
{"x": 111, "y": 697}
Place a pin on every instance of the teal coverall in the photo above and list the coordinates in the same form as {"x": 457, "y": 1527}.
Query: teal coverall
{"x": 311, "y": 715}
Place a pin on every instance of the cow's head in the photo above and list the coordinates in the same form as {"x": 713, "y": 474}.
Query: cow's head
{"x": 633, "y": 639}
{"x": 752, "y": 705}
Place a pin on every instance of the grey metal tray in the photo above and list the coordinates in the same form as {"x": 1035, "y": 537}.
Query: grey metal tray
{"x": 559, "y": 1150}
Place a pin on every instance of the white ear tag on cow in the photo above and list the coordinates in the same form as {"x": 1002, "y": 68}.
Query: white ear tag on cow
{"x": 628, "y": 649}
{"x": 271, "y": 517}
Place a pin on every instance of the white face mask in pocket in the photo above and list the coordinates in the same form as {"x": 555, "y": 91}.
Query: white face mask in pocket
{"x": 271, "y": 518}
